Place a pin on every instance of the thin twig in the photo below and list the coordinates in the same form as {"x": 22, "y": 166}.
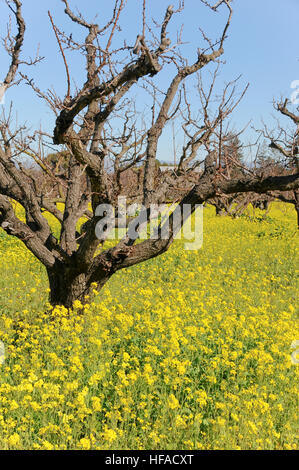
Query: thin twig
{"x": 63, "y": 55}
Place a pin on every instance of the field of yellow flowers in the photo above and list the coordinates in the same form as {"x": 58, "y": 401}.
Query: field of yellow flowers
{"x": 191, "y": 350}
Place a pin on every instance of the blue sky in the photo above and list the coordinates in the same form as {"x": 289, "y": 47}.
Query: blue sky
{"x": 262, "y": 46}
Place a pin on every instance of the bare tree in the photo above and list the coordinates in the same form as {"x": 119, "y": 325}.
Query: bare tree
{"x": 86, "y": 130}
{"x": 231, "y": 162}
{"x": 284, "y": 141}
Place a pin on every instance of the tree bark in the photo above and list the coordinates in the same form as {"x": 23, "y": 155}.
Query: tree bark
{"x": 68, "y": 283}
{"x": 66, "y": 286}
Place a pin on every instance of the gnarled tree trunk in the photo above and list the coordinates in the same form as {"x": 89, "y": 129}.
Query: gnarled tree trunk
{"x": 66, "y": 286}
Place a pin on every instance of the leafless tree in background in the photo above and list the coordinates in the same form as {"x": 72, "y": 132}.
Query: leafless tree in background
{"x": 85, "y": 130}
{"x": 284, "y": 141}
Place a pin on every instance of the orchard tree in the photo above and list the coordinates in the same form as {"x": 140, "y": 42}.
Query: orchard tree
{"x": 284, "y": 140}
{"x": 231, "y": 162}
{"x": 96, "y": 127}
